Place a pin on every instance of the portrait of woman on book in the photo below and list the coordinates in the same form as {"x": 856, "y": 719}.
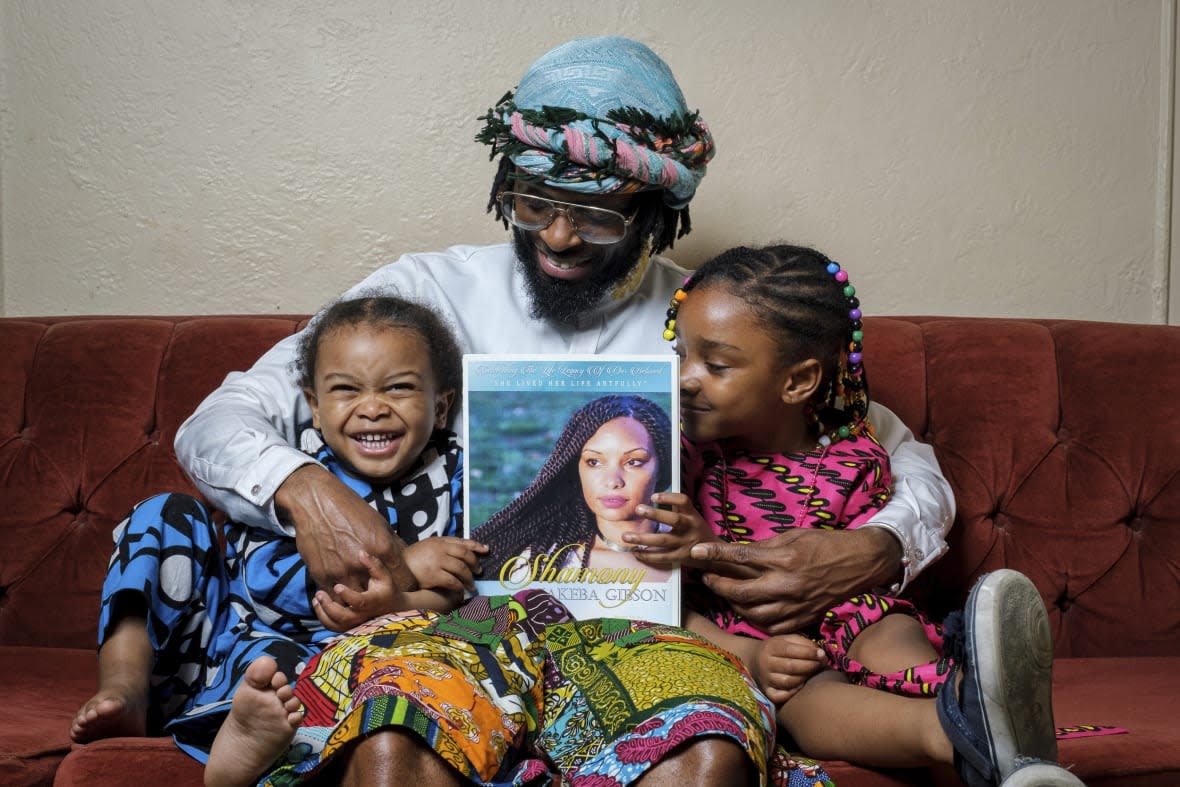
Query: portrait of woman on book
{"x": 612, "y": 455}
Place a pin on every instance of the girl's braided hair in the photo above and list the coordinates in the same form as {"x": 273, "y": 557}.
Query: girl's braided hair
{"x": 803, "y": 300}
{"x": 551, "y": 512}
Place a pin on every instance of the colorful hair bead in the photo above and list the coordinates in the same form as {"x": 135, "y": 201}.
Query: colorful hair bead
{"x": 850, "y": 385}
{"x": 673, "y": 307}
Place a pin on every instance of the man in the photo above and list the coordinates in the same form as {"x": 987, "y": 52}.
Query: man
{"x": 599, "y": 160}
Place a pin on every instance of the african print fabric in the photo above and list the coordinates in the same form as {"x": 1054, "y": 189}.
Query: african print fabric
{"x": 752, "y": 497}
{"x": 511, "y": 690}
{"x": 209, "y": 616}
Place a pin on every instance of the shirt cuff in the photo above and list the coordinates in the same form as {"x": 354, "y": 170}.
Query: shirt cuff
{"x": 258, "y": 485}
{"x": 915, "y": 556}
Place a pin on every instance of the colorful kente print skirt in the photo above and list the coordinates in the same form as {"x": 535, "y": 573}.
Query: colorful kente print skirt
{"x": 510, "y": 690}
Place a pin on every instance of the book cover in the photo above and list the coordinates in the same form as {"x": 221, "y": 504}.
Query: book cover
{"x": 559, "y": 451}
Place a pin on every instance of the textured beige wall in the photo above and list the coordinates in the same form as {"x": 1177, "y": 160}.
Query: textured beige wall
{"x": 985, "y": 157}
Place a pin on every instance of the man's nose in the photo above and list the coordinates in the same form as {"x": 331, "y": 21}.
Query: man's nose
{"x": 560, "y": 234}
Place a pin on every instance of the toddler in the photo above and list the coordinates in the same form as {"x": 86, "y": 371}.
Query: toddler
{"x": 183, "y": 629}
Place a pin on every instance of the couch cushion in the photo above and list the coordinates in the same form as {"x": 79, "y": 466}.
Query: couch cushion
{"x": 90, "y": 408}
{"x": 1054, "y": 436}
{"x": 125, "y": 762}
{"x": 1138, "y": 694}
{"x": 42, "y": 689}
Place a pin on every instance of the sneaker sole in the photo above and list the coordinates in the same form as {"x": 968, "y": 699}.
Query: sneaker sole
{"x": 1042, "y": 774}
{"x": 1008, "y": 628}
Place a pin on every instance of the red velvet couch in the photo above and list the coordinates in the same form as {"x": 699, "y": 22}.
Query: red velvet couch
{"x": 1058, "y": 438}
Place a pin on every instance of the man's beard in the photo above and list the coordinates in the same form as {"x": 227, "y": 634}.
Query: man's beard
{"x": 563, "y": 301}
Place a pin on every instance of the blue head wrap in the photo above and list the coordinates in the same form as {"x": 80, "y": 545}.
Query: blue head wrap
{"x": 602, "y": 115}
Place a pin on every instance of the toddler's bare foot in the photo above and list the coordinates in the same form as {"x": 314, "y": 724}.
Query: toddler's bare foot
{"x": 261, "y": 723}
{"x": 114, "y": 711}
{"x": 119, "y": 707}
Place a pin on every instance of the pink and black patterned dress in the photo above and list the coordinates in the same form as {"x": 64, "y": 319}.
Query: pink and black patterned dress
{"x": 748, "y": 497}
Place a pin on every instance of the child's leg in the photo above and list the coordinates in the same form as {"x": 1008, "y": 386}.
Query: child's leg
{"x": 994, "y": 712}
{"x": 831, "y": 718}
{"x": 119, "y": 707}
{"x": 885, "y": 643}
{"x": 893, "y": 643}
{"x": 165, "y": 568}
{"x": 261, "y": 723}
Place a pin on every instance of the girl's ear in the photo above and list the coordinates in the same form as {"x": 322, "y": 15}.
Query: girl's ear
{"x": 442, "y": 408}
{"x": 314, "y": 404}
{"x": 802, "y": 381}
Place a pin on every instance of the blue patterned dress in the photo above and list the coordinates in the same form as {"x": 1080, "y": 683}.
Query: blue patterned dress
{"x": 210, "y": 615}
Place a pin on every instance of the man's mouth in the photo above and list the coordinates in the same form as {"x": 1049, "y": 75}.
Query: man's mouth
{"x": 570, "y": 267}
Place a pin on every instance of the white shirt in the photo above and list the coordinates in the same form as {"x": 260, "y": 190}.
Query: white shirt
{"x": 242, "y": 441}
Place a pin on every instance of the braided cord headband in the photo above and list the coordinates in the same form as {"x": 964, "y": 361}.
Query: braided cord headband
{"x": 628, "y": 150}
{"x": 846, "y": 404}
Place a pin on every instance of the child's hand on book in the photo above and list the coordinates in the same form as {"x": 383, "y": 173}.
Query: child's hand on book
{"x": 681, "y": 528}
{"x": 445, "y": 563}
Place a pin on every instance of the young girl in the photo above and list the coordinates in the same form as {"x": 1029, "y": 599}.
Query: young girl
{"x": 181, "y": 628}
{"x": 773, "y": 405}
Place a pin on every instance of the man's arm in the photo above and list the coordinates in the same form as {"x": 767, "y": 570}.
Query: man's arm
{"x": 241, "y": 443}
{"x": 921, "y": 509}
{"x": 786, "y": 583}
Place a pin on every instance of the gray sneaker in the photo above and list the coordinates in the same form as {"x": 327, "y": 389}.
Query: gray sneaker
{"x": 1003, "y": 714}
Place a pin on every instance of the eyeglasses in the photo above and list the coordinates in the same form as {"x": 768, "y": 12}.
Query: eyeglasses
{"x": 593, "y": 225}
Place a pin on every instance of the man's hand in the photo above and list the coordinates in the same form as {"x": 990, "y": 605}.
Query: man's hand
{"x": 445, "y": 563}
{"x": 669, "y": 548}
{"x": 785, "y": 583}
{"x": 784, "y": 664}
{"x": 333, "y": 526}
